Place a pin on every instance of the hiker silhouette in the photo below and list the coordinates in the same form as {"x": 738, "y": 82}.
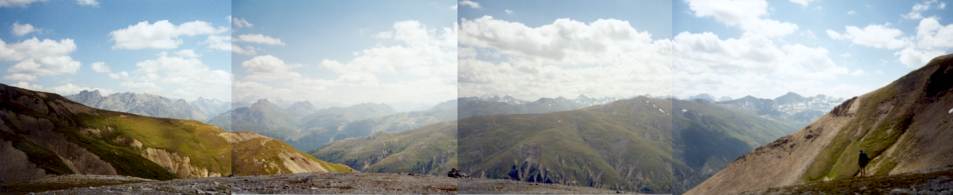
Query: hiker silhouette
{"x": 862, "y": 161}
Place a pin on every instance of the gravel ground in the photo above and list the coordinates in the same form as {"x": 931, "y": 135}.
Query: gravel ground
{"x": 360, "y": 183}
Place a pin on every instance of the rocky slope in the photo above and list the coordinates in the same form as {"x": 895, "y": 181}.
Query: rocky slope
{"x": 904, "y": 126}
{"x": 47, "y": 134}
{"x": 939, "y": 182}
{"x": 640, "y": 144}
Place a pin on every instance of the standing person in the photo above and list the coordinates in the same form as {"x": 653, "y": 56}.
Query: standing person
{"x": 862, "y": 161}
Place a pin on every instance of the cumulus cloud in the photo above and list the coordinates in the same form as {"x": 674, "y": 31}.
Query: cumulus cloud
{"x": 565, "y": 58}
{"x": 23, "y": 29}
{"x": 17, "y": 3}
{"x": 411, "y": 64}
{"x": 100, "y": 67}
{"x": 34, "y": 58}
{"x": 260, "y": 39}
{"x": 470, "y": 3}
{"x": 705, "y": 62}
{"x": 179, "y": 74}
{"x": 877, "y": 36}
{"x": 89, "y": 3}
{"x": 916, "y": 12}
{"x": 749, "y": 15}
{"x": 931, "y": 40}
{"x": 240, "y": 23}
{"x": 224, "y": 43}
{"x": 160, "y": 35}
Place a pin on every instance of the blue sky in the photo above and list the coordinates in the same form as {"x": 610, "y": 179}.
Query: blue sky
{"x": 405, "y": 53}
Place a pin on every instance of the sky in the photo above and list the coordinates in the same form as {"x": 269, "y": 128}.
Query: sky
{"x": 532, "y": 49}
{"x": 414, "y": 54}
{"x": 327, "y": 52}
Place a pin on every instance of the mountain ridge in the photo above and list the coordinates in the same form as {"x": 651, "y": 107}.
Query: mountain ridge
{"x": 903, "y": 126}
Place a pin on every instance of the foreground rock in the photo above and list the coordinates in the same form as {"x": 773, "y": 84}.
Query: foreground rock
{"x": 940, "y": 182}
{"x": 330, "y": 183}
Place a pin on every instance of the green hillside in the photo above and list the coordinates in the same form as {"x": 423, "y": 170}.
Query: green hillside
{"x": 56, "y": 136}
{"x": 638, "y": 144}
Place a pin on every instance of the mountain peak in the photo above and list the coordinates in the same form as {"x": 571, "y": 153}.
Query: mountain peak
{"x": 87, "y": 93}
{"x": 263, "y": 103}
{"x": 789, "y": 97}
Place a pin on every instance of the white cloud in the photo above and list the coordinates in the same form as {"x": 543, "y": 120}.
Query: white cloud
{"x": 932, "y": 34}
{"x": 932, "y": 39}
{"x": 35, "y": 58}
{"x": 916, "y": 12}
{"x": 100, "y": 67}
{"x": 510, "y": 12}
{"x": 160, "y": 35}
{"x": 851, "y": 12}
{"x": 753, "y": 65}
{"x": 411, "y": 64}
{"x": 876, "y": 36}
{"x": 802, "y": 2}
{"x": 90, "y": 3}
{"x": 748, "y": 15}
{"x": 224, "y": 43}
{"x": 470, "y": 3}
{"x": 260, "y": 39}
{"x": 180, "y": 74}
{"x": 23, "y": 29}
{"x": 17, "y": 3}
{"x": 565, "y": 58}
{"x": 240, "y": 23}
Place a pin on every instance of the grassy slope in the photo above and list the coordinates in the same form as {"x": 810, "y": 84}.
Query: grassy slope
{"x": 623, "y": 145}
{"x": 199, "y": 142}
{"x": 428, "y": 150}
{"x": 882, "y": 118}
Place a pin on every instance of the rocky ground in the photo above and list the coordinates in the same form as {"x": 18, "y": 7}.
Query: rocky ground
{"x": 314, "y": 183}
{"x": 940, "y": 182}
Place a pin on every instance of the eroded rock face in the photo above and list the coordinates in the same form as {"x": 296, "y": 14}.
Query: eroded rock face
{"x": 16, "y": 165}
{"x": 177, "y": 164}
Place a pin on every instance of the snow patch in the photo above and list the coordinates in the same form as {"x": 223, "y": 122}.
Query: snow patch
{"x": 684, "y": 110}
{"x": 662, "y": 111}
{"x": 950, "y": 112}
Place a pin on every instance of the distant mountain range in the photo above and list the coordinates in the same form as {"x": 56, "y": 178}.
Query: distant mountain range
{"x": 152, "y": 105}
{"x": 639, "y": 144}
{"x": 790, "y": 108}
{"x": 904, "y": 127}
{"x": 308, "y": 128}
{"x": 44, "y": 134}
{"x": 492, "y": 105}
